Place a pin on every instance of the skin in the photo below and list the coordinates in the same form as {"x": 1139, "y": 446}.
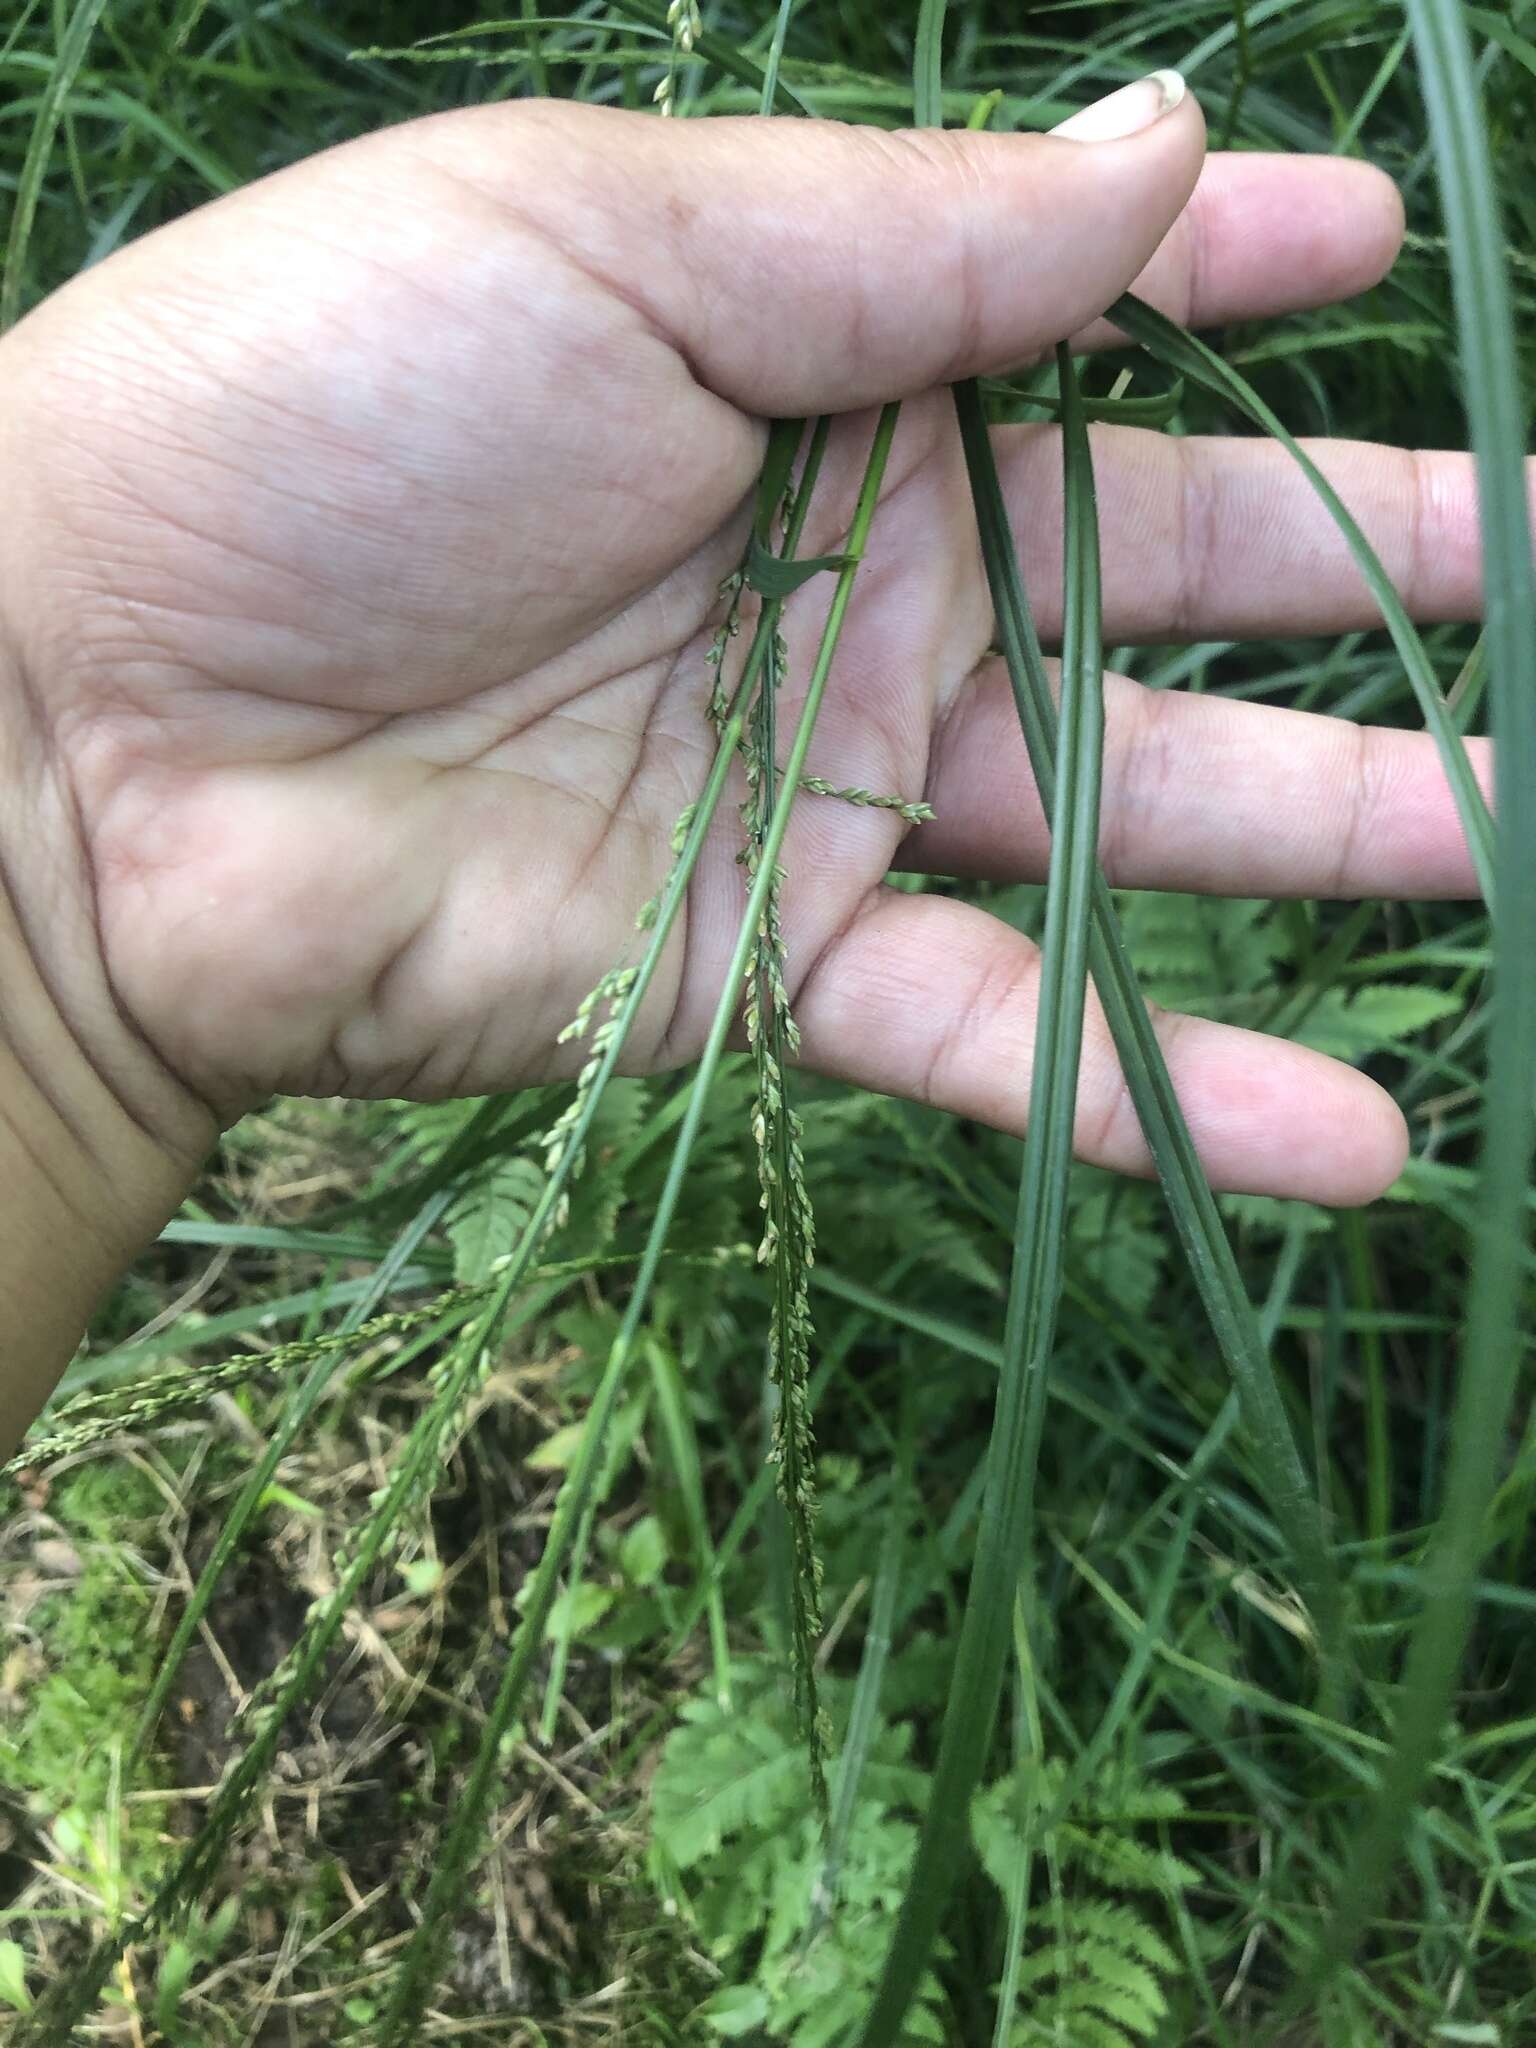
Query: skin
{"x": 360, "y": 558}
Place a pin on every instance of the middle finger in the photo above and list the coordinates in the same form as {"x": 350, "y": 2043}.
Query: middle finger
{"x": 1211, "y": 537}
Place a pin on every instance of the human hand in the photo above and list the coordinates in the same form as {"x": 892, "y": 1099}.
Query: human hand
{"x": 364, "y": 537}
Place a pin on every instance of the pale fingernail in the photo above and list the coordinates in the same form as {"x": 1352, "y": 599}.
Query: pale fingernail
{"x": 1127, "y": 111}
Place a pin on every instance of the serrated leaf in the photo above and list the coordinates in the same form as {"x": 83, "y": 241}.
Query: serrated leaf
{"x": 1116, "y": 1247}
{"x": 1125, "y": 2006}
{"x": 1202, "y": 953}
{"x": 490, "y": 1219}
{"x": 738, "y": 1786}
{"x": 600, "y": 1194}
{"x": 1089, "y": 2030}
{"x": 1384, "y": 1013}
{"x": 1120, "y": 1861}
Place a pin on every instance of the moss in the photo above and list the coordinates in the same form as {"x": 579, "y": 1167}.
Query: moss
{"x": 94, "y": 1657}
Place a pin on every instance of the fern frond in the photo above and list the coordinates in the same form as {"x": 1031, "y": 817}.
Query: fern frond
{"x": 1097, "y": 1971}
{"x": 1101, "y": 1965}
{"x": 491, "y": 1216}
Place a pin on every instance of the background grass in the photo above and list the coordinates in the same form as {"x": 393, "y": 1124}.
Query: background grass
{"x": 656, "y": 1871}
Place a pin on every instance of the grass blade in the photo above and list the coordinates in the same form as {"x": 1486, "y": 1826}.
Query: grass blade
{"x": 1192, "y": 1206}
{"x": 687, "y": 1469}
{"x": 297, "y": 1411}
{"x": 73, "y": 44}
{"x": 1192, "y": 359}
{"x": 1028, "y": 1749}
{"x": 1007, "y": 1511}
{"x": 538, "y": 69}
{"x": 1492, "y": 1348}
{"x": 770, "y": 92}
{"x": 864, "y": 1712}
{"x": 928, "y": 65}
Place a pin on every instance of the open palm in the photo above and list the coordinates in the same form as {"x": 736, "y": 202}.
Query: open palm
{"x": 365, "y": 538}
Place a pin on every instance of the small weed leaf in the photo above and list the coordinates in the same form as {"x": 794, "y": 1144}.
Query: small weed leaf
{"x": 770, "y": 576}
{"x": 13, "y": 1977}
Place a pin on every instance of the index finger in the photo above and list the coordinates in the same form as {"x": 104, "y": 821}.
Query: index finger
{"x": 1268, "y": 234}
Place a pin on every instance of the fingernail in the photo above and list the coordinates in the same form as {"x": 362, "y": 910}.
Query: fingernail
{"x": 1127, "y": 111}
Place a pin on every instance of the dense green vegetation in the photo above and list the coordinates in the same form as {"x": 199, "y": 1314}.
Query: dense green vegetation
{"x": 1175, "y": 1837}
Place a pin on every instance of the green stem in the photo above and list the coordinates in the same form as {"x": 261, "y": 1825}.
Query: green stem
{"x": 418, "y": 1966}
{"x": 297, "y": 1410}
{"x": 1007, "y": 1513}
{"x": 1492, "y": 1349}
{"x": 770, "y": 92}
{"x": 537, "y": 67}
{"x": 1378, "y": 1430}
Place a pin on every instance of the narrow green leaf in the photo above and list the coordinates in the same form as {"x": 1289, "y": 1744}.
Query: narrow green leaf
{"x": 1154, "y": 409}
{"x": 784, "y": 438}
{"x": 864, "y": 1713}
{"x": 1192, "y": 1206}
{"x": 1192, "y": 359}
{"x": 68, "y": 58}
{"x": 538, "y": 69}
{"x": 297, "y": 1410}
{"x": 1007, "y": 1514}
{"x": 1499, "y": 31}
{"x": 683, "y": 1449}
{"x": 928, "y": 64}
{"x": 770, "y": 89}
{"x": 1491, "y": 1348}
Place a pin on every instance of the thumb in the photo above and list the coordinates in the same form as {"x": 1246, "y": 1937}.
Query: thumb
{"x": 805, "y": 266}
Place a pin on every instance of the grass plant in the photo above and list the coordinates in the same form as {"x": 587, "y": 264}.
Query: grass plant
{"x": 1140, "y": 1651}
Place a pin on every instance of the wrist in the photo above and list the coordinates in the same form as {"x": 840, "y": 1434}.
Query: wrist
{"x": 98, "y": 1145}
